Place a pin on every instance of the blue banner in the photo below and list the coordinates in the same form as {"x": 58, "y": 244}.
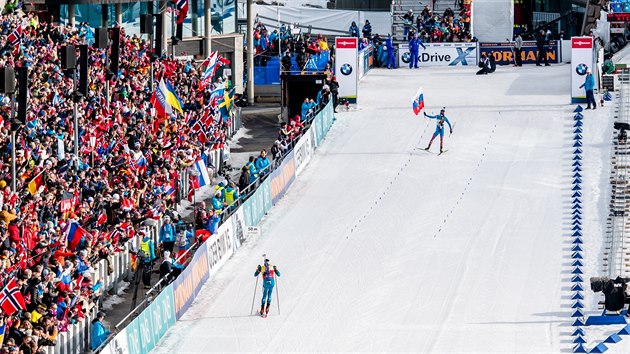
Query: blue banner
{"x": 143, "y": 333}
{"x": 189, "y": 282}
{"x": 322, "y": 122}
{"x": 258, "y": 204}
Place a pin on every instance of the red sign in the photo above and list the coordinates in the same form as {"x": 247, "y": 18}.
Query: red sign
{"x": 623, "y": 16}
{"x": 582, "y": 42}
{"x": 346, "y": 42}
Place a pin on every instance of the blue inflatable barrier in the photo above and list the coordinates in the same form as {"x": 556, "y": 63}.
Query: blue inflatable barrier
{"x": 606, "y": 320}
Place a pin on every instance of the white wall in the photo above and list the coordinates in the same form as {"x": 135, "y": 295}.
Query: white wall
{"x": 493, "y": 20}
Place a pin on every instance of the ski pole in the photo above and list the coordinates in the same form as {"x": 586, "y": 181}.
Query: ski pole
{"x": 254, "y": 298}
{"x": 278, "y": 295}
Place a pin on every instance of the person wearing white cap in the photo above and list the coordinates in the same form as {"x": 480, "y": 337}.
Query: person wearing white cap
{"x": 589, "y": 86}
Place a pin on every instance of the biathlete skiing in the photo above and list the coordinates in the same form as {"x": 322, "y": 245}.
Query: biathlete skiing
{"x": 269, "y": 273}
{"x": 439, "y": 129}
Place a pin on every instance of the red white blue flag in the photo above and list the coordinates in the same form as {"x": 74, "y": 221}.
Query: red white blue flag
{"x": 11, "y": 299}
{"x": 418, "y": 102}
{"x": 182, "y": 10}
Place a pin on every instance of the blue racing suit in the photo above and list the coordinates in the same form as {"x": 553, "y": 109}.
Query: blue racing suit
{"x": 269, "y": 273}
{"x": 439, "y": 128}
{"x": 391, "y": 54}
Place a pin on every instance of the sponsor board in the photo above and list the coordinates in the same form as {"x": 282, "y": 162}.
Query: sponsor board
{"x": 189, "y": 282}
{"x": 238, "y": 227}
{"x": 582, "y": 59}
{"x": 504, "y": 52}
{"x": 220, "y": 247}
{"x": 258, "y": 204}
{"x": 322, "y": 123}
{"x": 282, "y": 178}
{"x": 441, "y": 54}
{"x": 304, "y": 150}
{"x": 347, "y": 67}
{"x": 143, "y": 333}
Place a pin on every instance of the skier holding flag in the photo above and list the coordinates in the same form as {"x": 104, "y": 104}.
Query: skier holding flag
{"x": 269, "y": 273}
{"x": 439, "y": 129}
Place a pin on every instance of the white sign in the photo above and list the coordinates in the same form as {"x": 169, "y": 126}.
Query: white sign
{"x": 346, "y": 67}
{"x": 253, "y": 231}
{"x": 581, "y": 61}
{"x": 441, "y": 54}
{"x": 304, "y": 150}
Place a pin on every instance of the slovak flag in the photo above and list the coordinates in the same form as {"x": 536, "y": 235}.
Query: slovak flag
{"x": 182, "y": 10}
{"x": 11, "y": 299}
{"x": 418, "y": 102}
{"x": 74, "y": 233}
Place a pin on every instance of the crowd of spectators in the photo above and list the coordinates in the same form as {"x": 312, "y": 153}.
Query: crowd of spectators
{"x": 123, "y": 173}
{"x": 294, "y": 48}
{"x": 432, "y": 27}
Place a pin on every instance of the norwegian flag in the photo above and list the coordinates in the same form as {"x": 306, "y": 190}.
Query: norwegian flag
{"x": 182, "y": 10}
{"x": 15, "y": 38}
{"x": 11, "y": 299}
{"x": 102, "y": 218}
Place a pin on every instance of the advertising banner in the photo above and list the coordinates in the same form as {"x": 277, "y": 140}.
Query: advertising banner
{"x": 323, "y": 122}
{"x": 143, "y": 333}
{"x": 441, "y": 54}
{"x": 189, "y": 282}
{"x": 346, "y": 67}
{"x": 581, "y": 61}
{"x": 258, "y": 204}
{"x": 282, "y": 178}
{"x": 504, "y": 52}
{"x": 238, "y": 227}
{"x": 304, "y": 149}
{"x": 220, "y": 247}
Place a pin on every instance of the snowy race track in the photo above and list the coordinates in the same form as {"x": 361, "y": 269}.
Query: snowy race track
{"x": 384, "y": 248}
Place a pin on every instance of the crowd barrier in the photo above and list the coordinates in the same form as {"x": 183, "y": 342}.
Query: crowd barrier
{"x": 76, "y": 339}
{"x": 142, "y": 334}
{"x": 366, "y": 60}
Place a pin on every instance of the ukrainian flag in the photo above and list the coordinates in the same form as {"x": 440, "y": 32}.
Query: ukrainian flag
{"x": 172, "y": 99}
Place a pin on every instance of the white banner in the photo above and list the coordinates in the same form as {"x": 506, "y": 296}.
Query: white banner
{"x": 581, "y": 61}
{"x": 441, "y": 54}
{"x": 220, "y": 246}
{"x": 346, "y": 67}
{"x": 238, "y": 228}
{"x": 304, "y": 150}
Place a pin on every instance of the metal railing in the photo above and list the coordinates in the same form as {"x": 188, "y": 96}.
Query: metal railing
{"x": 619, "y": 228}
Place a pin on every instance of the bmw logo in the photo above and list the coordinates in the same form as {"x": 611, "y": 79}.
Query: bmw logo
{"x": 406, "y": 57}
{"x": 581, "y": 69}
{"x": 346, "y": 69}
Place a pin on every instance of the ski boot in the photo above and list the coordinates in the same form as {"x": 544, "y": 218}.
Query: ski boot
{"x": 262, "y": 310}
{"x": 427, "y": 148}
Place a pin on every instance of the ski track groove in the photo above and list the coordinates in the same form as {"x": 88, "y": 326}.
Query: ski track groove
{"x": 444, "y": 312}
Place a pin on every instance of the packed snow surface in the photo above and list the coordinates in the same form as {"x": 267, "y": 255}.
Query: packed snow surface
{"x": 384, "y": 247}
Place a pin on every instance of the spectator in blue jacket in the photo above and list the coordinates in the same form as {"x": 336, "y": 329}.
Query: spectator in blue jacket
{"x": 212, "y": 223}
{"x": 589, "y": 87}
{"x": 306, "y": 105}
{"x": 253, "y": 173}
{"x": 99, "y": 332}
{"x": 262, "y": 163}
{"x": 217, "y": 203}
{"x": 354, "y": 30}
{"x": 167, "y": 234}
